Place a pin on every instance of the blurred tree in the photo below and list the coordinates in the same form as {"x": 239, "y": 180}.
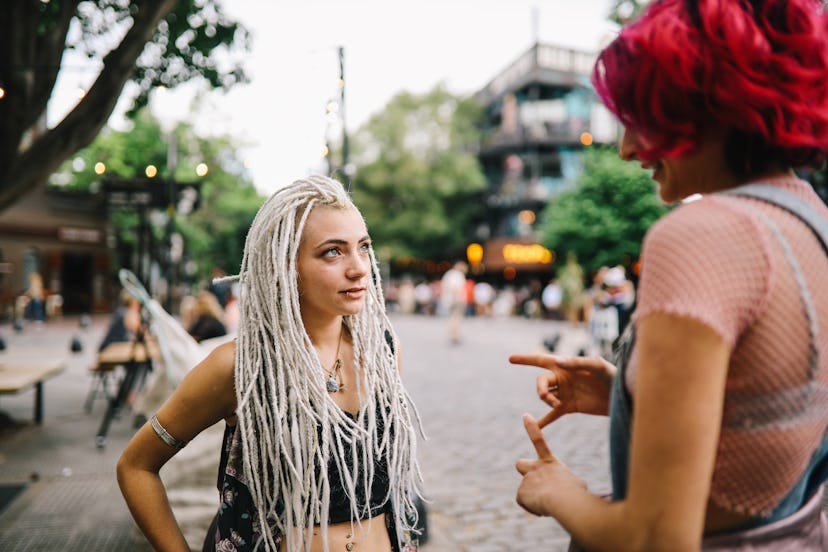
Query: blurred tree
{"x": 213, "y": 234}
{"x": 151, "y": 43}
{"x": 624, "y": 11}
{"x": 603, "y": 219}
{"x": 418, "y": 182}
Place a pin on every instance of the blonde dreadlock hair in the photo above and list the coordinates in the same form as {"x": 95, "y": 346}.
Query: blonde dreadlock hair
{"x": 288, "y": 422}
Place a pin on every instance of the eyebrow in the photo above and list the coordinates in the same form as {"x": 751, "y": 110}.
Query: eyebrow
{"x": 339, "y": 241}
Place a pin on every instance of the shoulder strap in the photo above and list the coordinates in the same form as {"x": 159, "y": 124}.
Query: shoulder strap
{"x": 790, "y": 202}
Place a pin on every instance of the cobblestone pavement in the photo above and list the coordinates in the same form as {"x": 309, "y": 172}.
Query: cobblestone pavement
{"x": 469, "y": 397}
{"x": 471, "y": 401}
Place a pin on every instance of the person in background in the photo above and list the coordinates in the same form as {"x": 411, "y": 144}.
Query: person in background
{"x": 453, "y": 298}
{"x": 221, "y": 289}
{"x": 36, "y": 294}
{"x": 320, "y": 440}
{"x": 717, "y": 402}
{"x": 208, "y": 317}
{"x": 126, "y": 322}
{"x": 571, "y": 280}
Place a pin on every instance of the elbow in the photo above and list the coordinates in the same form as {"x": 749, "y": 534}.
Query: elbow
{"x": 122, "y": 469}
{"x": 671, "y": 536}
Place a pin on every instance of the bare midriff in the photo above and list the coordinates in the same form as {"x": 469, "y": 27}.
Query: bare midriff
{"x": 370, "y": 535}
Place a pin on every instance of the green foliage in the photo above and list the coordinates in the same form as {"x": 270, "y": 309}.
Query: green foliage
{"x": 418, "y": 182}
{"x": 214, "y": 233}
{"x": 196, "y": 39}
{"x": 625, "y": 11}
{"x": 604, "y": 218}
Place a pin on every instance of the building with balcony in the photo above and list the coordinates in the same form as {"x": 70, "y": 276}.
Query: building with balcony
{"x": 63, "y": 237}
{"x": 541, "y": 112}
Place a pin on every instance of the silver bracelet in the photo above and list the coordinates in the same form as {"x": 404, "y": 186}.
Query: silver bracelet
{"x": 164, "y": 435}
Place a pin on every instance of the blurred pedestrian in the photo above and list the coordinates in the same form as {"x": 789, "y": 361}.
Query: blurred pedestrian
{"x": 36, "y": 294}
{"x": 320, "y": 440}
{"x": 453, "y": 298}
{"x": 551, "y": 298}
{"x": 484, "y": 295}
{"x": 407, "y": 299}
{"x": 218, "y": 287}
{"x": 424, "y": 296}
{"x": 207, "y": 317}
{"x": 718, "y": 411}
{"x": 126, "y": 322}
{"x": 571, "y": 280}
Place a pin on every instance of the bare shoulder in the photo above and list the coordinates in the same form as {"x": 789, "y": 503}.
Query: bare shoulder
{"x": 216, "y": 371}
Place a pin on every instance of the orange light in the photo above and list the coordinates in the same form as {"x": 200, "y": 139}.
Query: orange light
{"x": 100, "y": 168}
{"x": 519, "y": 253}
{"x": 151, "y": 171}
{"x": 526, "y": 216}
{"x": 509, "y": 273}
{"x": 474, "y": 253}
{"x": 586, "y": 138}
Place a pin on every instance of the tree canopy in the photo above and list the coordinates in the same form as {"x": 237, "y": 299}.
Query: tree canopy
{"x": 213, "y": 234}
{"x": 603, "y": 219}
{"x": 418, "y": 182}
{"x": 150, "y": 43}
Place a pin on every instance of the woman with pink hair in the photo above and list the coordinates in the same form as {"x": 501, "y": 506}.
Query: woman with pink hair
{"x": 718, "y": 400}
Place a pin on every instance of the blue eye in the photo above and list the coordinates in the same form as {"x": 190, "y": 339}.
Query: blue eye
{"x": 332, "y": 252}
{"x": 365, "y": 247}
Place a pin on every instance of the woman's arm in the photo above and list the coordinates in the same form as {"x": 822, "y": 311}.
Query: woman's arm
{"x": 679, "y": 395}
{"x": 204, "y": 397}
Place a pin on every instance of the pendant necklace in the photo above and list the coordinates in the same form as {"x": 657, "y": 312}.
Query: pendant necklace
{"x": 334, "y": 382}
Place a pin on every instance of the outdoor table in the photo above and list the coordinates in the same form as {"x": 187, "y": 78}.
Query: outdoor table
{"x": 20, "y": 374}
{"x": 136, "y": 357}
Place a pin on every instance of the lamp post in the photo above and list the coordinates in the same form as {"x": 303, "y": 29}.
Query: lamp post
{"x": 165, "y": 109}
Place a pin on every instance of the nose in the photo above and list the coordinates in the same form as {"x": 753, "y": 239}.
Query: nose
{"x": 358, "y": 267}
{"x": 627, "y": 146}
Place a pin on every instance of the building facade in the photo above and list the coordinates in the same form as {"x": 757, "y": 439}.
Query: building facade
{"x": 63, "y": 238}
{"x": 541, "y": 113}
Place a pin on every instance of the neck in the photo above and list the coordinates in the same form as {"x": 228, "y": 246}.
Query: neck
{"x": 324, "y": 333}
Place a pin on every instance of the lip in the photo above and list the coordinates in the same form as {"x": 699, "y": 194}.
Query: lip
{"x": 655, "y": 167}
{"x": 354, "y": 293}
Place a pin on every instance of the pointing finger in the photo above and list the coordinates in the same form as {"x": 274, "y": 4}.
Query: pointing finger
{"x": 535, "y": 435}
{"x": 541, "y": 361}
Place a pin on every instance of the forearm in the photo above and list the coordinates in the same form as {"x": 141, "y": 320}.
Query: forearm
{"x": 147, "y": 501}
{"x": 597, "y": 524}
{"x": 593, "y": 522}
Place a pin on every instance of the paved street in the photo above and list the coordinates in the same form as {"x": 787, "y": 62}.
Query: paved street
{"x": 471, "y": 401}
{"x": 469, "y": 397}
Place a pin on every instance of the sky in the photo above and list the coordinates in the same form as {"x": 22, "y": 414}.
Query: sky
{"x": 390, "y": 46}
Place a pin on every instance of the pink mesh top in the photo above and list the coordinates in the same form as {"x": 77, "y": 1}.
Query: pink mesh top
{"x": 716, "y": 261}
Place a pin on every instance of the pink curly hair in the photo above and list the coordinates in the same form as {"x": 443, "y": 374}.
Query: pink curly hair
{"x": 757, "y": 67}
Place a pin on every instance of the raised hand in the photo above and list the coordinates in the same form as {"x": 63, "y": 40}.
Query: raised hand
{"x": 571, "y": 384}
{"x": 546, "y": 481}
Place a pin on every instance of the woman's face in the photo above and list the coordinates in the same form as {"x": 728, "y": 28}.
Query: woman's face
{"x": 333, "y": 263}
{"x": 698, "y": 171}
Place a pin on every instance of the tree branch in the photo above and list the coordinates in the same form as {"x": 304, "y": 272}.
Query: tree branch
{"x": 33, "y": 167}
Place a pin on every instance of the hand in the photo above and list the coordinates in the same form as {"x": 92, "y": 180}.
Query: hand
{"x": 545, "y": 480}
{"x": 572, "y": 384}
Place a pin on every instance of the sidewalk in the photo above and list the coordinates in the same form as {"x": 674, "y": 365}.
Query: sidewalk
{"x": 67, "y": 495}
{"x": 69, "y": 498}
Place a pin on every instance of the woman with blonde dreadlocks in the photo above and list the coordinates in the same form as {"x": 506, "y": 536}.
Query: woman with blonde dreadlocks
{"x": 320, "y": 439}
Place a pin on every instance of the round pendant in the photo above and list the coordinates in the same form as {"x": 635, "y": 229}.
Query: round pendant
{"x": 349, "y": 546}
{"x": 332, "y": 385}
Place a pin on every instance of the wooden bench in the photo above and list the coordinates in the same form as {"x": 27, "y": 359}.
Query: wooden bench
{"x": 18, "y": 375}
{"x": 136, "y": 358}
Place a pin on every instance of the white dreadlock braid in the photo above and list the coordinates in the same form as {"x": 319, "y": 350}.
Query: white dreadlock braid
{"x": 280, "y": 386}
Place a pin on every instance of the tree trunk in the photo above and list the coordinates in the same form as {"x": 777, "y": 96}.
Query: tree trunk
{"x": 23, "y": 171}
